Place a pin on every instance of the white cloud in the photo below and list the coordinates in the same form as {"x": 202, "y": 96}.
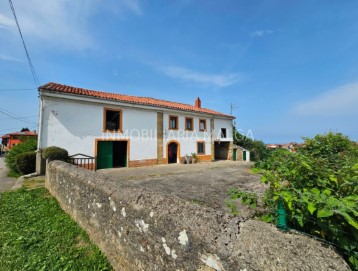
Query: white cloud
{"x": 260, "y": 33}
{"x": 134, "y": 6}
{"x": 62, "y": 23}
{"x": 216, "y": 80}
{"x": 6, "y": 22}
{"x": 9, "y": 58}
{"x": 341, "y": 101}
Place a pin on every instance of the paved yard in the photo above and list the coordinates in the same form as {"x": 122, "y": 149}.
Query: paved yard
{"x": 204, "y": 183}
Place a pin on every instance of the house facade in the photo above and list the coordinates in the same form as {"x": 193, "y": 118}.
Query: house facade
{"x": 129, "y": 131}
{"x": 12, "y": 139}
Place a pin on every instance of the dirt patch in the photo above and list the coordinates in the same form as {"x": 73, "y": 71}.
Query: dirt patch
{"x": 33, "y": 183}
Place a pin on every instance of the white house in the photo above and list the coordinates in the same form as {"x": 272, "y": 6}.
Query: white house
{"x": 128, "y": 131}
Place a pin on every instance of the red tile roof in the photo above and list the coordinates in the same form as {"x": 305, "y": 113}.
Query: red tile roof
{"x": 26, "y": 133}
{"x": 54, "y": 87}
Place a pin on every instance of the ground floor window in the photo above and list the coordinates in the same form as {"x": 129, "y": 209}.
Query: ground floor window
{"x": 201, "y": 147}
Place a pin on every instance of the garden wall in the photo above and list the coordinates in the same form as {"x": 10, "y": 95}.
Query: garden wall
{"x": 143, "y": 230}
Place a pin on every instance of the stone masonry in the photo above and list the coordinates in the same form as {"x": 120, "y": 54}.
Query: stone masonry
{"x": 139, "y": 229}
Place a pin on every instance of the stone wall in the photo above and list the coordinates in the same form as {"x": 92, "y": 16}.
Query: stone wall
{"x": 139, "y": 229}
{"x": 143, "y": 163}
{"x": 222, "y": 150}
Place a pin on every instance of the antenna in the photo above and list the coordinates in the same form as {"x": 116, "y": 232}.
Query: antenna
{"x": 232, "y": 107}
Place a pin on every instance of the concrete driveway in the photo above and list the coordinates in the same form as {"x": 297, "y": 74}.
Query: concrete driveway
{"x": 204, "y": 183}
{"x": 6, "y": 183}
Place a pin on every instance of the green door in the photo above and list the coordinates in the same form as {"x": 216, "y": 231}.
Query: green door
{"x": 244, "y": 155}
{"x": 104, "y": 154}
{"x": 234, "y": 154}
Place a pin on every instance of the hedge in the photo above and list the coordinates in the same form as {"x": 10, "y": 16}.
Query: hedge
{"x": 26, "y": 162}
{"x": 26, "y": 146}
{"x": 55, "y": 153}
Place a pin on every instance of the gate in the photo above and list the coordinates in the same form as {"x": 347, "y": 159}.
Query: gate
{"x": 83, "y": 160}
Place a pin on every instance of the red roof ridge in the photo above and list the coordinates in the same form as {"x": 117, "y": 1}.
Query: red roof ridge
{"x": 24, "y": 133}
{"x": 51, "y": 86}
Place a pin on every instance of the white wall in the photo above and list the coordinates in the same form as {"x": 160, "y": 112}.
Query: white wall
{"x": 70, "y": 125}
{"x": 141, "y": 128}
{"x": 223, "y": 123}
{"x": 75, "y": 126}
{"x": 187, "y": 139}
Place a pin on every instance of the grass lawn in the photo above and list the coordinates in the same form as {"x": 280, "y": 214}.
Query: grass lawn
{"x": 35, "y": 234}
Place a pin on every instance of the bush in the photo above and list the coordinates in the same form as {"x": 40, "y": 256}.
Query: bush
{"x": 26, "y": 162}
{"x": 55, "y": 153}
{"x": 319, "y": 188}
{"x": 26, "y": 146}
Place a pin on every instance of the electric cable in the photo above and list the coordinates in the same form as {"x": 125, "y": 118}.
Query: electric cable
{"x": 33, "y": 72}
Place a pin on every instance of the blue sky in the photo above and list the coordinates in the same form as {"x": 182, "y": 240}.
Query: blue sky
{"x": 289, "y": 67}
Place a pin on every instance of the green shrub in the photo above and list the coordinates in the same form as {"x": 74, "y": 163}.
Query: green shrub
{"x": 319, "y": 188}
{"x": 26, "y": 162}
{"x": 55, "y": 153}
{"x": 26, "y": 146}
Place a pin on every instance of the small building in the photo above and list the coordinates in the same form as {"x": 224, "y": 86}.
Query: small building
{"x": 12, "y": 139}
{"x": 241, "y": 154}
{"x": 128, "y": 131}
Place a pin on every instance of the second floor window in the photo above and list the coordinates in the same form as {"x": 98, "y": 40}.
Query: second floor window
{"x": 223, "y": 132}
{"x": 173, "y": 122}
{"x": 202, "y": 125}
{"x": 112, "y": 121}
{"x": 189, "y": 124}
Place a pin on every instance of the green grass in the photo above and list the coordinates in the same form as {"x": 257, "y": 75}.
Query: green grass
{"x": 35, "y": 234}
{"x": 13, "y": 174}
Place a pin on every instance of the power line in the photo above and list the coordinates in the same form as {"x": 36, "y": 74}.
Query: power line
{"x": 16, "y": 89}
{"x": 24, "y": 117}
{"x": 34, "y": 76}
{"x": 17, "y": 118}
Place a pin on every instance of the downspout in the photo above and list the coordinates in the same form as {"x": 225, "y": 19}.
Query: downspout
{"x": 39, "y": 137}
{"x": 40, "y": 164}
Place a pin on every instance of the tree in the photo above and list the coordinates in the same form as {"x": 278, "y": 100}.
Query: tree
{"x": 25, "y": 129}
{"x": 257, "y": 148}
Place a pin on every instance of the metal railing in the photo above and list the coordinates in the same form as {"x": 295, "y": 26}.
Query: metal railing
{"x": 83, "y": 160}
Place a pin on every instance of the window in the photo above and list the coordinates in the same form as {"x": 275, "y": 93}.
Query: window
{"x": 201, "y": 147}
{"x": 202, "y": 125}
{"x": 189, "y": 124}
{"x": 173, "y": 122}
{"x": 112, "y": 120}
{"x": 223, "y": 132}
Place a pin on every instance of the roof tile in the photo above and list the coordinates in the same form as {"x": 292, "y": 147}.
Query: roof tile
{"x": 55, "y": 87}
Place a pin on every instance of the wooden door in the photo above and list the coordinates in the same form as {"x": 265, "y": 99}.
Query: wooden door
{"x": 104, "y": 154}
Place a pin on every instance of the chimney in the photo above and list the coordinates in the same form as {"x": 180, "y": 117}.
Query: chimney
{"x": 198, "y": 103}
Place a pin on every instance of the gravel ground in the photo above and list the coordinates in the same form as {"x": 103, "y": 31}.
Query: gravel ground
{"x": 204, "y": 183}
{"x": 6, "y": 183}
